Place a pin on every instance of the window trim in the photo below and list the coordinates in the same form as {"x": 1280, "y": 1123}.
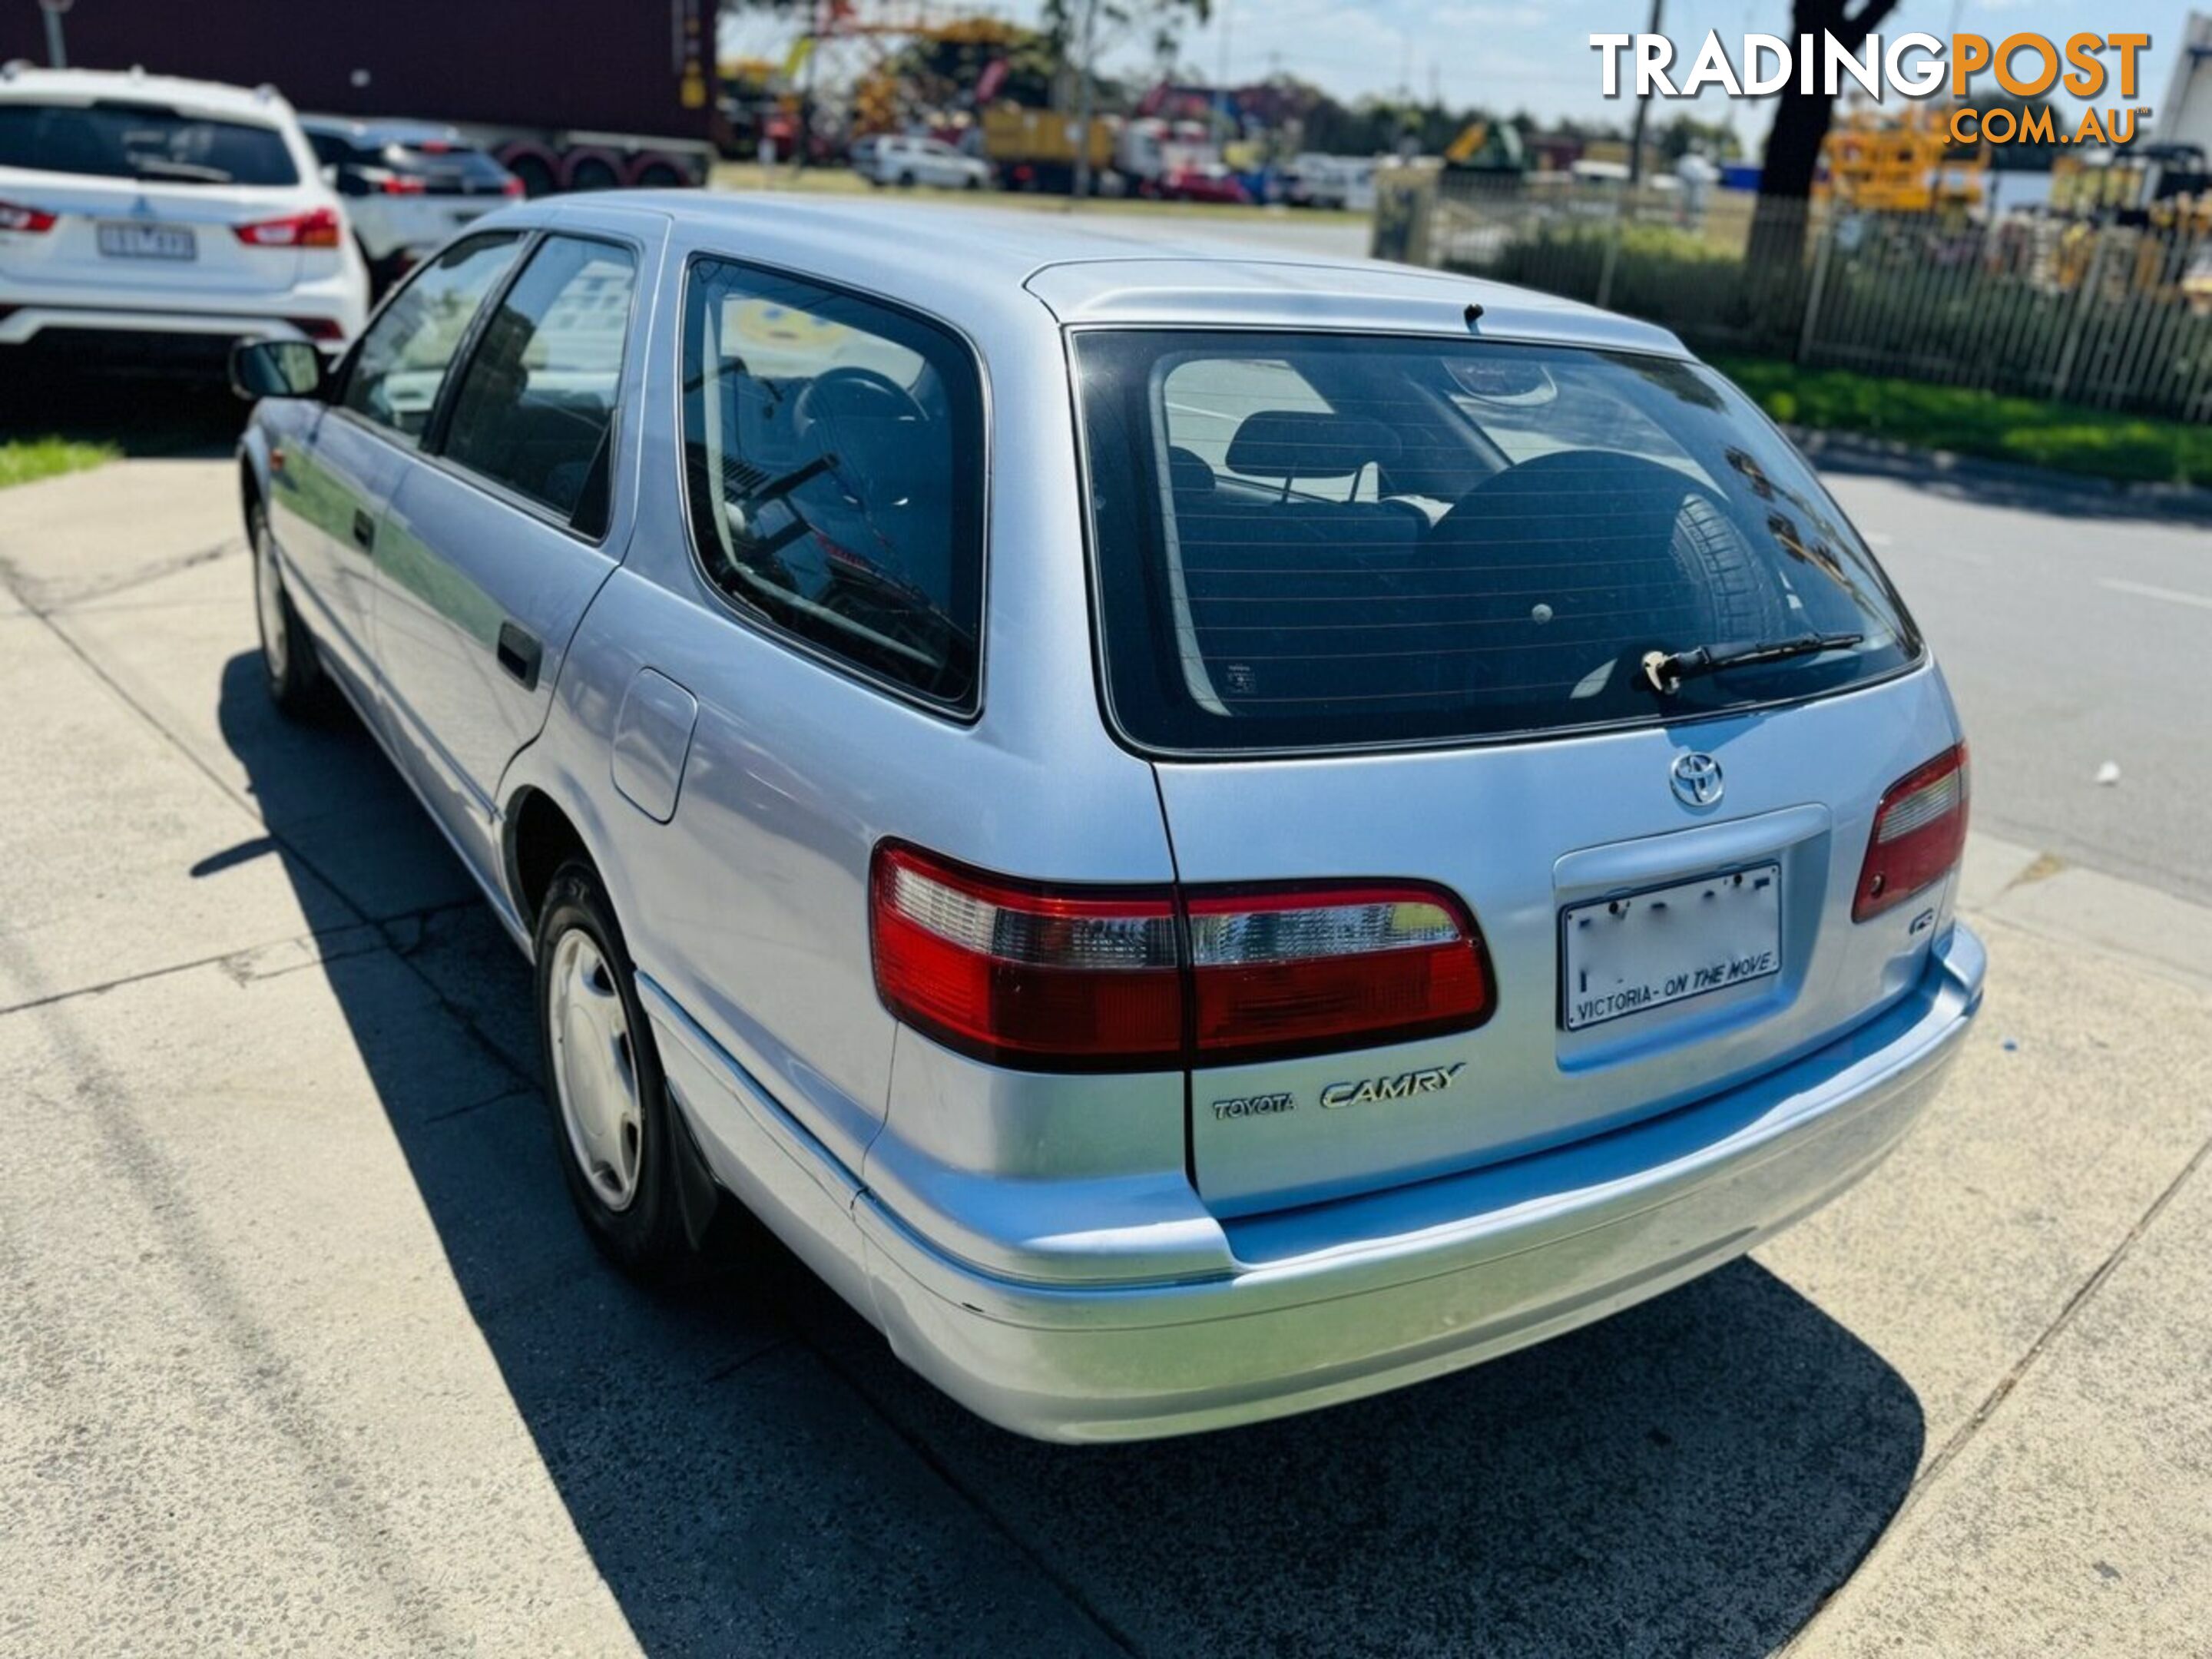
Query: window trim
{"x": 1918, "y": 660}
{"x": 525, "y": 237}
{"x": 968, "y": 710}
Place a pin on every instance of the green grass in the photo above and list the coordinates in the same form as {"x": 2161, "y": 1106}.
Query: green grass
{"x": 22, "y": 459}
{"x": 2061, "y": 437}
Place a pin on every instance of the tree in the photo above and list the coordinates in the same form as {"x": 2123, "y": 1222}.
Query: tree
{"x": 1800, "y": 122}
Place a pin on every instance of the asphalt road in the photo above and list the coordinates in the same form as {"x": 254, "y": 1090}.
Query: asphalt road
{"x": 2075, "y": 627}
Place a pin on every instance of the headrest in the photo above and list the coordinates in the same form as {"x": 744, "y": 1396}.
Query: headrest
{"x": 1300, "y": 443}
{"x": 1188, "y": 472}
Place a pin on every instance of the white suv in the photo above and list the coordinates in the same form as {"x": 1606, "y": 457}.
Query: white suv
{"x": 136, "y": 208}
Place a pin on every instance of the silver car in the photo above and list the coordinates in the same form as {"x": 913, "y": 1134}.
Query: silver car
{"x": 1201, "y": 834}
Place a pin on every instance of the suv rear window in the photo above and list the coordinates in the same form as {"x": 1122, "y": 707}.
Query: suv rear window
{"x": 113, "y": 140}
{"x": 1317, "y": 541}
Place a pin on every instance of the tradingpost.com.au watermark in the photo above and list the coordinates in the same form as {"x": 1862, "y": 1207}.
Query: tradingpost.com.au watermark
{"x": 1908, "y": 66}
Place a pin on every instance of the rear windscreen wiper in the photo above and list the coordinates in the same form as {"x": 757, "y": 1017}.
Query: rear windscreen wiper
{"x": 1665, "y": 671}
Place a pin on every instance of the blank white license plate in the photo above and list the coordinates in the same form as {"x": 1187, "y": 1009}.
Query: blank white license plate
{"x": 1627, "y": 955}
{"x": 148, "y": 242}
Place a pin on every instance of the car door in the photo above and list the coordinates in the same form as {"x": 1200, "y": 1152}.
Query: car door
{"x": 490, "y": 551}
{"x": 328, "y": 495}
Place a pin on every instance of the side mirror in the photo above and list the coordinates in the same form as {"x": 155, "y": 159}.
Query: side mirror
{"x": 276, "y": 368}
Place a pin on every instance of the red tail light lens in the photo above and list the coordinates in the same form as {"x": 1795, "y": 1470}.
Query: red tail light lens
{"x": 1919, "y": 834}
{"x": 1059, "y": 980}
{"x": 1132, "y": 979}
{"x": 13, "y": 216}
{"x": 318, "y": 228}
{"x": 514, "y": 189}
{"x": 1304, "y": 969}
{"x": 401, "y": 184}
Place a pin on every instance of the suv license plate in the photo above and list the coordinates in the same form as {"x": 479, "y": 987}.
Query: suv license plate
{"x": 1643, "y": 950}
{"x": 148, "y": 242}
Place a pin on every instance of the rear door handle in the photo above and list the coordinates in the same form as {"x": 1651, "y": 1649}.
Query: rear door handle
{"x": 364, "y": 528}
{"x": 520, "y": 653}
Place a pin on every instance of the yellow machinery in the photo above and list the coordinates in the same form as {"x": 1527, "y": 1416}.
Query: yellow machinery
{"x": 1486, "y": 147}
{"x": 1903, "y": 163}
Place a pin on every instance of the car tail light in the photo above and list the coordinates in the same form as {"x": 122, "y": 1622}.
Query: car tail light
{"x": 400, "y": 184}
{"x": 514, "y": 188}
{"x": 1146, "y": 978}
{"x": 1920, "y": 833}
{"x": 316, "y": 227}
{"x": 1062, "y": 979}
{"x": 1303, "y": 969}
{"x": 13, "y": 216}
{"x": 318, "y": 328}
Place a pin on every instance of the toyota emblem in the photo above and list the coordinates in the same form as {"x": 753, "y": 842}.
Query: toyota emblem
{"x": 1697, "y": 780}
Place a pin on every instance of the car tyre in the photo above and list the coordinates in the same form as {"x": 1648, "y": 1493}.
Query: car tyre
{"x": 906, "y": 181}
{"x": 289, "y": 667}
{"x": 613, "y": 1124}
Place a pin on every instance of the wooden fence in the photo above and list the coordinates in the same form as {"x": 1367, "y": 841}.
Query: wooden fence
{"x": 2114, "y": 316}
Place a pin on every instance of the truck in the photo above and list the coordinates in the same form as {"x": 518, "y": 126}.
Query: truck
{"x": 1034, "y": 149}
{"x": 569, "y": 95}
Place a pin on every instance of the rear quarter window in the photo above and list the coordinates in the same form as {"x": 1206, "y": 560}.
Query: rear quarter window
{"x": 834, "y": 474}
{"x": 1319, "y": 541}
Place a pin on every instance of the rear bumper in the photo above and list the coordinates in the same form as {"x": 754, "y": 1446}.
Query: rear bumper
{"x": 1350, "y": 1298}
{"x": 329, "y": 312}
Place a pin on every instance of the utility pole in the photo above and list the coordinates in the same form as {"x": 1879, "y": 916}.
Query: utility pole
{"x": 1643, "y": 116}
{"x": 56, "y": 55}
{"x": 1083, "y": 103}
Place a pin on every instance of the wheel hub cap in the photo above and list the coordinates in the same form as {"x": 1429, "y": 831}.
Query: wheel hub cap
{"x": 595, "y": 1069}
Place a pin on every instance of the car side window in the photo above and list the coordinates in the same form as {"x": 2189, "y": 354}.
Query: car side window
{"x": 834, "y": 451}
{"x": 409, "y": 350}
{"x": 535, "y": 407}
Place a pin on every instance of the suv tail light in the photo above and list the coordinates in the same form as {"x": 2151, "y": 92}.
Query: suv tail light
{"x": 1133, "y": 979}
{"x": 1920, "y": 833}
{"x": 401, "y": 184}
{"x": 13, "y": 216}
{"x": 316, "y": 227}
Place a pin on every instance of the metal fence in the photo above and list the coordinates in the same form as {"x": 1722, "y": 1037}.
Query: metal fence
{"x": 2116, "y": 317}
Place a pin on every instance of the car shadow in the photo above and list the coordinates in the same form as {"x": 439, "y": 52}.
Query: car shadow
{"x": 750, "y": 1469}
{"x": 45, "y": 394}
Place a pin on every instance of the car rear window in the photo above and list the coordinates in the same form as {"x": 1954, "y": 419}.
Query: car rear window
{"x": 152, "y": 141}
{"x": 1311, "y": 541}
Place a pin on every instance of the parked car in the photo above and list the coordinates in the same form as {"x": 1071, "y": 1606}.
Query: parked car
{"x": 895, "y": 160}
{"x": 1210, "y": 181}
{"x": 1334, "y": 824}
{"x": 1330, "y": 181}
{"x": 409, "y": 185}
{"x": 148, "y": 223}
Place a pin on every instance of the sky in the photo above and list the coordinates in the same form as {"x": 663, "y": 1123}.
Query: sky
{"x": 1534, "y": 54}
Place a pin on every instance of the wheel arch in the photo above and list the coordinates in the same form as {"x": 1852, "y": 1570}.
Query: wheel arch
{"x": 537, "y": 836}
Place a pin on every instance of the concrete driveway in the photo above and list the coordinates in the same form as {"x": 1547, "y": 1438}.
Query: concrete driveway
{"x": 301, "y": 1352}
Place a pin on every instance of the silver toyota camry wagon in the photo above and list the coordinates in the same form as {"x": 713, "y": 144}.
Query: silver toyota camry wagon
{"x": 1200, "y": 833}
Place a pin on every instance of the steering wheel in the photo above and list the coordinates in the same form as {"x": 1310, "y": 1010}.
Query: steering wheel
{"x": 853, "y": 394}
